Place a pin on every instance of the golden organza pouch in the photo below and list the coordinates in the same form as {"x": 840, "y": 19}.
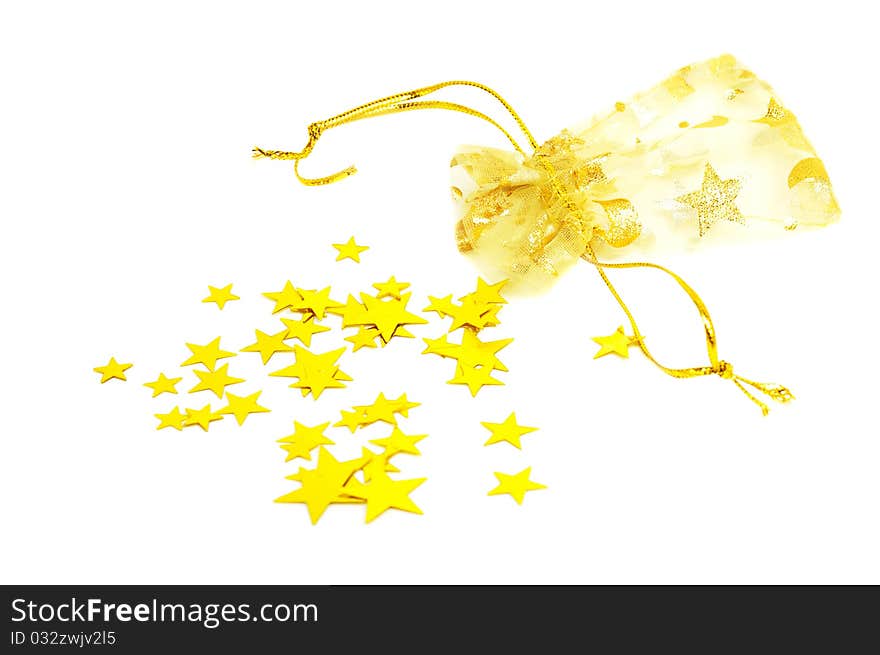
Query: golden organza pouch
{"x": 710, "y": 153}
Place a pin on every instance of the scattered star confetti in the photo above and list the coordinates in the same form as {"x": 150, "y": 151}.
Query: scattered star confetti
{"x": 516, "y": 485}
{"x": 390, "y": 289}
{"x": 617, "y": 343}
{"x": 314, "y": 303}
{"x": 112, "y": 370}
{"x": 220, "y": 295}
{"x": 242, "y": 406}
{"x": 398, "y": 442}
{"x": 475, "y": 377}
{"x": 202, "y": 417}
{"x": 383, "y": 493}
{"x": 173, "y": 419}
{"x": 303, "y": 329}
{"x": 315, "y": 373}
{"x": 207, "y": 354}
{"x": 508, "y": 431}
{"x": 215, "y": 381}
{"x": 349, "y": 250}
{"x": 286, "y": 298}
{"x": 304, "y": 440}
{"x": 162, "y": 385}
{"x": 268, "y": 344}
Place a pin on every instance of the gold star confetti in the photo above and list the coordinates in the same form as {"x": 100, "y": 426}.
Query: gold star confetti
{"x": 112, "y": 370}
{"x": 173, "y": 419}
{"x": 215, "y": 381}
{"x": 376, "y": 464}
{"x": 383, "y": 493}
{"x": 220, "y": 295}
{"x": 268, "y": 344}
{"x": 351, "y": 420}
{"x": 315, "y": 303}
{"x": 515, "y": 485}
{"x": 163, "y": 385}
{"x": 443, "y": 307}
{"x": 304, "y": 440}
{"x": 617, "y": 343}
{"x": 286, "y": 298}
{"x": 475, "y": 377}
{"x": 323, "y": 485}
{"x": 714, "y": 201}
{"x": 207, "y": 354}
{"x": 486, "y": 293}
{"x": 315, "y": 372}
{"x": 398, "y": 442}
{"x": 382, "y": 409}
{"x": 387, "y": 315}
{"x": 364, "y": 338}
{"x": 390, "y": 289}
{"x": 402, "y": 405}
{"x": 352, "y": 312}
{"x": 202, "y": 417}
{"x": 349, "y": 250}
{"x": 303, "y": 329}
{"x": 242, "y": 406}
{"x": 508, "y": 431}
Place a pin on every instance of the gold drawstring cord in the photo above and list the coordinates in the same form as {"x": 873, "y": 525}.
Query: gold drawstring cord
{"x": 393, "y": 104}
{"x": 717, "y": 366}
{"x": 406, "y": 101}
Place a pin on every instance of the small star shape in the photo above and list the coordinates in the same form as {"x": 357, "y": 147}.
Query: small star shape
{"x": 515, "y": 485}
{"x": 112, "y": 370}
{"x": 202, "y": 417}
{"x": 242, "y": 406}
{"x": 304, "y": 440}
{"x": 163, "y": 385}
{"x": 402, "y": 405}
{"x": 349, "y": 250}
{"x": 488, "y": 293}
{"x": 351, "y": 420}
{"x": 220, "y": 295}
{"x": 508, "y": 431}
{"x": 315, "y": 303}
{"x": 207, "y": 354}
{"x": 215, "y": 381}
{"x": 383, "y": 493}
{"x": 268, "y": 344}
{"x": 617, "y": 343}
{"x": 714, "y": 201}
{"x": 173, "y": 419}
{"x": 388, "y": 315}
{"x": 364, "y": 338}
{"x": 286, "y": 298}
{"x": 398, "y": 442}
{"x": 390, "y": 289}
{"x": 303, "y": 329}
{"x": 442, "y": 306}
{"x": 475, "y": 377}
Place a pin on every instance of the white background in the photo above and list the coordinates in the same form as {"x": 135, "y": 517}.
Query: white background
{"x": 126, "y": 187}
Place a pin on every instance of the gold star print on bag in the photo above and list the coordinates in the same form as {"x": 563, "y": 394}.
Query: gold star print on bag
{"x": 710, "y": 153}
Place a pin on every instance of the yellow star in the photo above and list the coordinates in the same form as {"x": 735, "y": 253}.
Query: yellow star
{"x": 315, "y": 302}
{"x": 398, "y": 442}
{"x": 349, "y": 250}
{"x": 442, "y": 306}
{"x": 268, "y": 344}
{"x": 475, "y": 377}
{"x": 390, "y": 289}
{"x": 304, "y": 440}
{"x": 364, "y": 338}
{"x": 474, "y": 352}
{"x": 323, "y": 485}
{"x": 112, "y": 370}
{"x": 488, "y": 293}
{"x": 315, "y": 372}
{"x": 163, "y": 385}
{"x": 242, "y": 406}
{"x": 388, "y": 315}
{"x": 377, "y": 464}
{"x": 714, "y": 201}
{"x": 441, "y": 347}
{"x": 383, "y": 493}
{"x": 220, "y": 295}
{"x": 617, "y": 343}
{"x": 381, "y": 410}
{"x": 351, "y": 420}
{"x": 508, "y": 431}
{"x": 284, "y": 299}
{"x": 173, "y": 419}
{"x": 215, "y": 381}
{"x": 515, "y": 485}
{"x": 470, "y": 312}
{"x": 402, "y": 405}
{"x": 207, "y": 354}
{"x": 303, "y": 329}
{"x": 202, "y": 417}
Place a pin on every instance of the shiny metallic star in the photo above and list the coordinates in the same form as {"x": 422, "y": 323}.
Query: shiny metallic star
{"x": 715, "y": 200}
